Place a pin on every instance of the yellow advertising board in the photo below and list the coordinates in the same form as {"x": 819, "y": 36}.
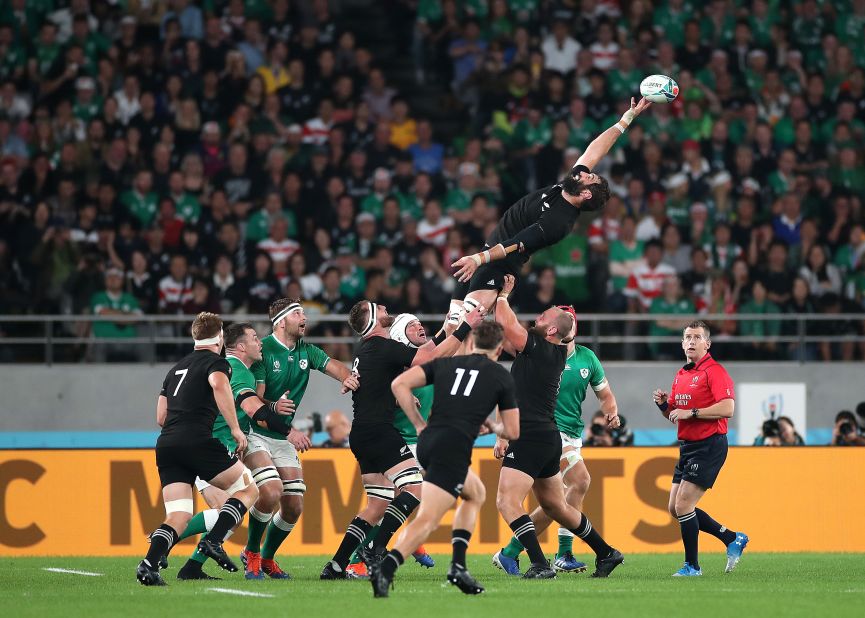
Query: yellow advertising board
{"x": 105, "y": 502}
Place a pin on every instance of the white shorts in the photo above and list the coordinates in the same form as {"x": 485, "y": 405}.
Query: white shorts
{"x": 282, "y": 452}
{"x": 577, "y": 443}
{"x": 413, "y": 449}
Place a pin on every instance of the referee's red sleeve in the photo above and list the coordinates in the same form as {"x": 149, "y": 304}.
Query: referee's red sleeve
{"x": 721, "y": 384}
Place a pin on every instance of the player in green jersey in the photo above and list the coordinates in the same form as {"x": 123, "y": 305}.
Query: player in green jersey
{"x": 582, "y": 371}
{"x": 282, "y": 372}
{"x": 243, "y": 348}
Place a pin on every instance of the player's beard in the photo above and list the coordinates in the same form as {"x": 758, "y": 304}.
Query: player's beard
{"x": 540, "y": 330}
{"x": 386, "y": 321}
{"x": 571, "y": 185}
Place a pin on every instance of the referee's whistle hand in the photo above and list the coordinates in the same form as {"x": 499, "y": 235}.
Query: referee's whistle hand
{"x": 659, "y": 396}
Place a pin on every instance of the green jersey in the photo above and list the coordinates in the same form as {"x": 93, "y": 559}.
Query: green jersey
{"x": 121, "y": 302}
{"x": 242, "y": 381}
{"x": 284, "y": 369}
{"x": 582, "y": 368}
{"x": 424, "y": 395}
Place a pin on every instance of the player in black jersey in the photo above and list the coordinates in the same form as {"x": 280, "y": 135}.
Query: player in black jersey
{"x": 540, "y": 219}
{"x": 466, "y": 389}
{"x": 387, "y": 465}
{"x": 194, "y": 392}
{"x": 532, "y": 462}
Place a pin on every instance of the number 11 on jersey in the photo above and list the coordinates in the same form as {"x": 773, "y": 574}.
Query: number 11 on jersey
{"x": 473, "y": 375}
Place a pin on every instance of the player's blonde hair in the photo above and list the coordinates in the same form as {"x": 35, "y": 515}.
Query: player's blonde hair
{"x": 206, "y": 325}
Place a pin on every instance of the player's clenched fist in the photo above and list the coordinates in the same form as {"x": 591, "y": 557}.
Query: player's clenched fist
{"x": 500, "y": 448}
{"x": 659, "y": 396}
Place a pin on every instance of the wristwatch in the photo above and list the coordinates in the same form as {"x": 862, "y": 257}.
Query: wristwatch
{"x": 695, "y": 413}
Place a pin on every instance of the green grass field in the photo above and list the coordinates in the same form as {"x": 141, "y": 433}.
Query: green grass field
{"x": 763, "y": 584}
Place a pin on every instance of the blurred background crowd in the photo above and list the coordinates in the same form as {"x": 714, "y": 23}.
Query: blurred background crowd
{"x": 168, "y": 157}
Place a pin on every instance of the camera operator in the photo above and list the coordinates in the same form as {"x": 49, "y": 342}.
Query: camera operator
{"x": 599, "y": 434}
{"x": 847, "y": 431}
{"x": 779, "y": 432}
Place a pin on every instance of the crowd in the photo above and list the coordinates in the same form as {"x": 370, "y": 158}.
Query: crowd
{"x": 175, "y": 156}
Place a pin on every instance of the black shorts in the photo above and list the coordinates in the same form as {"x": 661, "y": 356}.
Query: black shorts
{"x": 378, "y": 448}
{"x": 492, "y": 276}
{"x": 536, "y": 454}
{"x": 182, "y": 463}
{"x": 700, "y": 461}
{"x": 445, "y": 454}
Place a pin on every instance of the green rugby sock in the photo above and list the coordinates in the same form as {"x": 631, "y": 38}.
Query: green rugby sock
{"x": 277, "y": 531}
{"x": 195, "y": 526}
{"x": 197, "y": 556}
{"x": 566, "y": 542}
{"x": 513, "y": 549}
{"x": 257, "y": 525}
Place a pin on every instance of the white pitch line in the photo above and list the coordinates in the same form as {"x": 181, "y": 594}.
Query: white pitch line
{"x": 242, "y": 593}
{"x": 73, "y": 572}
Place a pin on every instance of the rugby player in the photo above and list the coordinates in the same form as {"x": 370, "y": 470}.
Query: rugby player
{"x": 532, "y": 462}
{"x": 194, "y": 392}
{"x": 540, "y": 219}
{"x": 582, "y": 370}
{"x": 467, "y": 389}
{"x": 407, "y": 330}
{"x": 380, "y": 450}
{"x": 700, "y": 402}
{"x": 282, "y": 371}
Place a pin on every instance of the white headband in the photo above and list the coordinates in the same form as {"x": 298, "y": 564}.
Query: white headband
{"x": 285, "y": 312}
{"x": 373, "y": 319}
{"x": 210, "y": 341}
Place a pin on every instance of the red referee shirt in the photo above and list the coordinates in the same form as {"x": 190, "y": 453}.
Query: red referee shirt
{"x": 700, "y": 386}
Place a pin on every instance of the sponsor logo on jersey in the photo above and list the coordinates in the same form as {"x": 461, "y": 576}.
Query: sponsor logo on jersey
{"x": 491, "y": 282}
{"x": 695, "y": 380}
{"x": 304, "y": 363}
{"x": 510, "y": 455}
{"x": 276, "y": 366}
{"x": 584, "y": 373}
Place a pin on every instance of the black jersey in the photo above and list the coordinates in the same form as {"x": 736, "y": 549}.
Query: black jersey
{"x": 466, "y": 389}
{"x": 378, "y": 362}
{"x": 191, "y": 405}
{"x": 537, "y": 372}
{"x": 545, "y": 206}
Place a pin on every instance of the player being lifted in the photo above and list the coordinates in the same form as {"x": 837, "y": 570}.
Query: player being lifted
{"x": 540, "y": 219}
{"x": 282, "y": 372}
{"x": 582, "y": 370}
{"x": 243, "y": 349}
{"x": 380, "y": 450}
{"x": 467, "y": 389}
{"x": 408, "y": 330}
{"x": 532, "y": 462}
{"x": 194, "y": 392}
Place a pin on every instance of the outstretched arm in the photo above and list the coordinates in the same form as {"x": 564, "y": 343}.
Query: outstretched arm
{"x": 515, "y": 334}
{"x": 601, "y": 145}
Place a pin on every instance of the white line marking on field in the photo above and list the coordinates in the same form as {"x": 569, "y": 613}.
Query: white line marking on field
{"x": 73, "y": 572}
{"x": 242, "y": 593}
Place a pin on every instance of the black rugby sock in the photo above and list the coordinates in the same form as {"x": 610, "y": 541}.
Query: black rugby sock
{"x": 524, "y": 530}
{"x": 394, "y": 516}
{"x": 161, "y": 541}
{"x": 460, "y": 543}
{"x": 230, "y": 515}
{"x": 591, "y": 537}
{"x": 354, "y": 536}
{"x": 707, "y": 524}
{"x": 690, "y": 535}
{"x": 391, "y": 562}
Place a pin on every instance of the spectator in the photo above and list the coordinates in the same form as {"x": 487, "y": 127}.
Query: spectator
{"x": 846, "y": 431}
{"x": 337, "y": 427}
{"x": 647, "y": 278}
{"x": 776, "y": 277}
{"x": 671, "y": 301}
{"x": 260, "y": 288}
{"x": 560, "y": 49}
{"x": 434, "y": 226}
{"x": 278, "y": 246}
{"x": 761, "y": 331}
{"x": 426, "y": 154}
{"x": 676, "y": 254}
{"x": 821, "y": 276}
{"x": 114, "y": 302}
{"x": 175, "y": 288}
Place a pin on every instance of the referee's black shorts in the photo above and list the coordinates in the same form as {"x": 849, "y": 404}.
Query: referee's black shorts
{"x": 700, "y": 461}
{"x": 445, "y": 454}
{"x": 536, "y": 454}
{"x": 182, "y": 463}
{"x": 378, "y": 447}
{"x": 491, "y": 276}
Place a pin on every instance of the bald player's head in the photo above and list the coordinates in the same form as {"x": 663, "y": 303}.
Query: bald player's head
{"x": 554, "y": 324}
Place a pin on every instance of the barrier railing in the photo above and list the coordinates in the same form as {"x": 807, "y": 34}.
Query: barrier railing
{"x": 37, "y": 338}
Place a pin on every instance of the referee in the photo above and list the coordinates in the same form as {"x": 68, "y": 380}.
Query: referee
{"x": 700, "y": 402}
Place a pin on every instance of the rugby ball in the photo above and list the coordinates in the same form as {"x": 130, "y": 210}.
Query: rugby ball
{"x": 659, "y": 89}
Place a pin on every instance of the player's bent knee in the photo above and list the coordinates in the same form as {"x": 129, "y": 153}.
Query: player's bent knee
{"x": 408, "y": 478}
{"x": 242, "y": 482}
